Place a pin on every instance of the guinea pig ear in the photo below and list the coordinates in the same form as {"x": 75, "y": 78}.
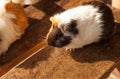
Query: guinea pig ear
{"x": 54, "y": 21}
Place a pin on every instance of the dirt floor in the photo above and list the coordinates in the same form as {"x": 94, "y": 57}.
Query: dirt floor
{"x": 94, "y": 61}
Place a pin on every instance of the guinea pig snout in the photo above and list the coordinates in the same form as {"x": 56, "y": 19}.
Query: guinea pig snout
{"x": 57, "y": 39}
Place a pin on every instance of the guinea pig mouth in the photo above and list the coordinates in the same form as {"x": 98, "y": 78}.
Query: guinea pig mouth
{"x": 57, "y": 39}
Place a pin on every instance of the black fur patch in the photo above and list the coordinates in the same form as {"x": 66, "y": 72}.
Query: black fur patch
{"x": 72, "y": 27}
{"x": 57, "y": 39}
{"x": 107, "y": 17}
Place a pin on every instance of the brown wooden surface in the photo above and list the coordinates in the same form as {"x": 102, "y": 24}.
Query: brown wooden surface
{"x": 94, "y": 61}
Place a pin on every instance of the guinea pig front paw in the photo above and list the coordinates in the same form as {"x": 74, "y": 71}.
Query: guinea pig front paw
{"x": 70, "y": 49}
{"x": 3, "y": 47}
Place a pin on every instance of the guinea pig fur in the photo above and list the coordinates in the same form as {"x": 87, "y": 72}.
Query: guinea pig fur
{"x": 25, "y": 2}
{"x": 74, "y": 28}
{"x": 13, "y": 22}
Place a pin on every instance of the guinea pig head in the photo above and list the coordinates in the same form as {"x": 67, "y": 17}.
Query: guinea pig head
{"x": 61, "y": 32}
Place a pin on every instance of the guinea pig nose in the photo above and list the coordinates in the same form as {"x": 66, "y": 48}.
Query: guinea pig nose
{"x": 62, "y": 41}
{"x": 57, "y": 39}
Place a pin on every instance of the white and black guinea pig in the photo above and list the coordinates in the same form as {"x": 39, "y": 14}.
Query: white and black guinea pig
{"x": 74, "y": 28}
{"x": 13, "y": 22}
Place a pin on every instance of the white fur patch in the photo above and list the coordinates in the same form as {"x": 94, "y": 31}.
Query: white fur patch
{"x": 2, "y": 6}
{"x": 25, "y": 2}
{"x": 9, "y": 31}
{"x": 88, "y": 24}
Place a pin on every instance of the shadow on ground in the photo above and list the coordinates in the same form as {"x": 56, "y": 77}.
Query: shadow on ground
{"x": 105, "y": 50}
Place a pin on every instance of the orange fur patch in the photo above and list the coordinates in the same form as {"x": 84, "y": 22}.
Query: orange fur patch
{"x": 54, "y": 21}
{"x": 21, "y": 18}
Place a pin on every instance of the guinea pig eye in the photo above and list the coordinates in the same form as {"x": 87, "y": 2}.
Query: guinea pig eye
{"x": 72, "y": 27}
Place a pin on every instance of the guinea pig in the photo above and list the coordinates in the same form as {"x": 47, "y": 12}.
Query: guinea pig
{"x": 13, "y": 22}
{"x": 77, "y": 27}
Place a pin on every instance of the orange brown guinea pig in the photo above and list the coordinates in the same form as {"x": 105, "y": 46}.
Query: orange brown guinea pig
{"x": 13, "y": 22}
